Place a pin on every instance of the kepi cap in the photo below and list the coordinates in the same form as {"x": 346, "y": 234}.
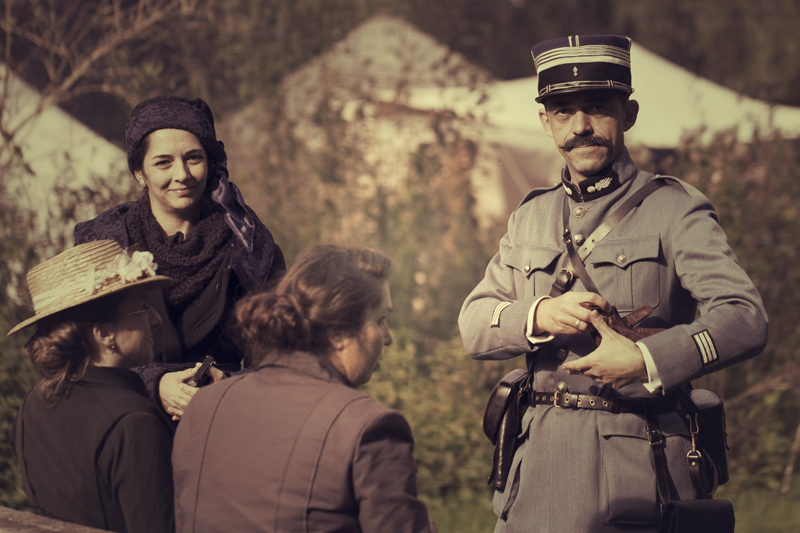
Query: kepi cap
{"x": 583, "y": 62}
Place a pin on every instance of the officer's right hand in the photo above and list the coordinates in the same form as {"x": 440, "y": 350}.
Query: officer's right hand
{"x": 567, "y": 314}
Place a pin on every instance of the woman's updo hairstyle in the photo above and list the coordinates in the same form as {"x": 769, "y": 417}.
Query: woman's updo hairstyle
{"x": 328, "y": 291}
{"x": 63, "y": 345}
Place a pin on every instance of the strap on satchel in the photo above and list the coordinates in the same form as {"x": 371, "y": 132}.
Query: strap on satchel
{"x": 703, "y": 515}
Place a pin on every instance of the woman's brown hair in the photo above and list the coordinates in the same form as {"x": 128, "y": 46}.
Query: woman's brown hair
{"x": 63, "y": 346}
{"x": 328, "y": 291}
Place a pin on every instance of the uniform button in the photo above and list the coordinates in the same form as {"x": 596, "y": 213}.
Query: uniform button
{"x": 527, "y": 268}
{"x": 579, "y": 239}
{"x": 621, "y": 258}
{"x": 580, "y": 211}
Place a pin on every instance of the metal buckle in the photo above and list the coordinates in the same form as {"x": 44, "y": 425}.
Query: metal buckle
{"x": 570, "y": 276}
{"x": 562, "y": 388}
{"x": 654, "y": 437}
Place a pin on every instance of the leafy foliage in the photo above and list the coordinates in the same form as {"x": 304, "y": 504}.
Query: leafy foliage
{"x": 754, "y": 188}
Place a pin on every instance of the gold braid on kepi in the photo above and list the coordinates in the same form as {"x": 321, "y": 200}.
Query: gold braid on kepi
{"x": 583, "y": 62}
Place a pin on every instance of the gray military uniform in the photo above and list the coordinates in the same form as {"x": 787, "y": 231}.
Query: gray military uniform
{"x": 582, "y": 470}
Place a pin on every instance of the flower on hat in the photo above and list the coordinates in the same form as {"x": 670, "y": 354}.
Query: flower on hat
{"x": 128, "y": 269}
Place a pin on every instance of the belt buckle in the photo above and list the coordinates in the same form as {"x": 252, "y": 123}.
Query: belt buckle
{"x": 570, "y": 276}
{"x": 562, "y": 388}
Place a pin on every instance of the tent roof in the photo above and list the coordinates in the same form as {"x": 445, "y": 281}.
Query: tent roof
{"x": 673, "y": 102}
{"x": 58, "y": 149}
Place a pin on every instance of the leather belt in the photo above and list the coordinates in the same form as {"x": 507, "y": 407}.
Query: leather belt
{"x": 568, "y": 400}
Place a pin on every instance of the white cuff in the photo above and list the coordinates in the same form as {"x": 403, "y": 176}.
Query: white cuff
{"x": 535, "y": 339}
{"x": 653, "y": 379}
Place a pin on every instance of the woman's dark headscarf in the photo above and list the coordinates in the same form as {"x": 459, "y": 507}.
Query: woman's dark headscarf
{"x": 194, "y": 116}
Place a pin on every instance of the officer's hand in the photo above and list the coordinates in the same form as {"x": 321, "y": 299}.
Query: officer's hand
{"x": 567, "y": 314}
{"x": 616, "y": 362}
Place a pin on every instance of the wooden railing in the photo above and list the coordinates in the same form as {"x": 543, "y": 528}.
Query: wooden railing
{"x": 12, "y": 521}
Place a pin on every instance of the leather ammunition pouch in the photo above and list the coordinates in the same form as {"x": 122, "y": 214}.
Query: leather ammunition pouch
{"x": 501, "y": 423}
{"x": 703, "y": 411}
{"x": 697, "y": 516}
{"x": 707, "y": 463}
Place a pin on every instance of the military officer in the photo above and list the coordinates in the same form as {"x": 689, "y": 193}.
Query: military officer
{"x": 589, "y": 468}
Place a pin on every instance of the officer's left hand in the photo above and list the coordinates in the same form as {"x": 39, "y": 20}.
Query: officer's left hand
{"x": 616, "y": 362}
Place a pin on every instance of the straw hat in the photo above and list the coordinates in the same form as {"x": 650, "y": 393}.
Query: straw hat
{"x": 85, "y": 273}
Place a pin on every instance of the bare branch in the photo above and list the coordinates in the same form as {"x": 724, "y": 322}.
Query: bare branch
{"x": 140, "y": 21}
{"x": 110, "y": 88}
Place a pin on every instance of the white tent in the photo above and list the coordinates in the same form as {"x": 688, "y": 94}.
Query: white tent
{"x": 58, "y": 150}
{"x": 673, "y": 102}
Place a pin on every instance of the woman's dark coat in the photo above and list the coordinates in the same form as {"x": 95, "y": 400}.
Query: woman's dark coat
{"x": 181, "y": 343}
{"x": 291, "y": 448}
{"x": 100, "y": 456}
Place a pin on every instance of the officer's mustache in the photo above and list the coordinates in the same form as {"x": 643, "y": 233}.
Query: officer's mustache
{"x": 589, "y": 140}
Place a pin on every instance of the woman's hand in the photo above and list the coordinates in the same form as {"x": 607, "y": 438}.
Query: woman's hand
{"x": 175, "y": 394}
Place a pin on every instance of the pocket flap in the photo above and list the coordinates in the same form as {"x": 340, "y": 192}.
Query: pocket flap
{"x": 622, "y": 252}
{"x": 633, "y": 425}
{"x": 529, "y": 257}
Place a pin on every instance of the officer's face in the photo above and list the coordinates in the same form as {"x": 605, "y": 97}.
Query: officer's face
{"x": 588, "y": 128}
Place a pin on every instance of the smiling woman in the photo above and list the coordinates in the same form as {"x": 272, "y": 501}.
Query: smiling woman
{"x": 174, "y": 172}
{"x": 202, "y": 234}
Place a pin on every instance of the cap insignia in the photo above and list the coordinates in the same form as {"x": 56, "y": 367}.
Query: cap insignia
{"x": 574, "y": 71}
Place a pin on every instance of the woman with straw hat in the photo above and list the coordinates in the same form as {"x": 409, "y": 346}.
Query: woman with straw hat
{"x": 197, "y": 225}
{"x": 92, "y": 447}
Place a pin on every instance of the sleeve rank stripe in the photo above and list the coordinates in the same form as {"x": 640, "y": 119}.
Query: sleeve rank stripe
{"x": 705, "y": 345}
{"x": 496, "y": 314}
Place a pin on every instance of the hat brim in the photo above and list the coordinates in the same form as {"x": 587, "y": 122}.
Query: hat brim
{"x": 148, "y": 284}
{"x": 542, "y": 98}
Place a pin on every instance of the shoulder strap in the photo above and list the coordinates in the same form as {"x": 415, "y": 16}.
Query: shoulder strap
{"x": 301, "y": 468}
{"x": 577, "y": 257}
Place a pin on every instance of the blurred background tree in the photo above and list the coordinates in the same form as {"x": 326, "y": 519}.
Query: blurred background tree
{"x": 97, "y": 58}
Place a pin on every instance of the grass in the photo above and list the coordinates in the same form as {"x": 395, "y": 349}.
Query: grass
{"x": 758, "y": 510}
{"x": 465, "y": 511}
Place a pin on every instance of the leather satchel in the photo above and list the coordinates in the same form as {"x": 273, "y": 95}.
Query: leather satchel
{"x": 697, "y": 516}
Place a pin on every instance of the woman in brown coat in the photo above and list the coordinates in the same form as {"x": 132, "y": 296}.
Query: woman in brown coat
{"x": 293, "y": 446}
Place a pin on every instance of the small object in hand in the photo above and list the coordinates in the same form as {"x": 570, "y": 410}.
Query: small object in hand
{"x": 198, "y": 376}
{"x": 627, "y": 326}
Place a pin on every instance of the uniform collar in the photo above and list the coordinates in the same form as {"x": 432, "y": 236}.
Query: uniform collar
{"x": 604, "y": 182}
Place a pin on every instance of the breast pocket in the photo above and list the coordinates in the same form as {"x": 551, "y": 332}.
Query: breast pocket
{"x": 627, "y": 271}
{"x": 534, "y": 267}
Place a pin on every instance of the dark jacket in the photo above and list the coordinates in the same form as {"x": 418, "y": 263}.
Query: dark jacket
{"x": 100, "y": 456}
{"x": 291, "y": 448}
{"x": 199, "y": 331}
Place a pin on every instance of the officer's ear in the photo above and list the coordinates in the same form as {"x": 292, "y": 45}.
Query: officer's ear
{"x": 631, "y": 111}
{"x": 545, "y": 122}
